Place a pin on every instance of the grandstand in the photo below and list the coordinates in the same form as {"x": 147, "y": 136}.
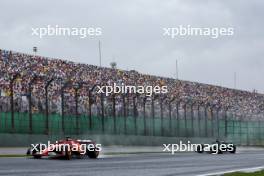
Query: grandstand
{"x": 60, "y": 89}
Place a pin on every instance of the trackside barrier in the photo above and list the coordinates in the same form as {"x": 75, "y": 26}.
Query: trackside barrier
{"x": 242, "y": 132}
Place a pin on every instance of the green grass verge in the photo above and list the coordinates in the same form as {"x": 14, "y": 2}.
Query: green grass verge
{"x": 258, "y": 173}
{"x": 12, "y": 155}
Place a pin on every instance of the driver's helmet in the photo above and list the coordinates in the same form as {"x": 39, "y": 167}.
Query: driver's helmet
{"x": 68, "y": 138}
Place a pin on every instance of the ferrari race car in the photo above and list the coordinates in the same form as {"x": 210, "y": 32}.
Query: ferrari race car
{"x": 217, "y": 147}
{"x": 66, "y": 148}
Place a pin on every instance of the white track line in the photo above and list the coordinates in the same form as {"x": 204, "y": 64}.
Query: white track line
{"x": 252, "y": 169}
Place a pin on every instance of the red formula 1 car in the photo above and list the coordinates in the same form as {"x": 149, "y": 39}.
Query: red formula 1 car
{"x": 65, "y": 148}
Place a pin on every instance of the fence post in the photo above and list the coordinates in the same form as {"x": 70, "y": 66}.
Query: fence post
{"x": 144, "y": 116}
{"x": 47, "y": 104}
{"x": 11, "y": 87}
{"x": 124, "y": 113}
{"x": 170, "y": 115}
{"x": 30, "y": 109}
{"x": 212, "y": 120}
{"x": 217, "y": 122}
{"x": 128, "y": 105}
{"x": 102, "y": 115}
{"x": 259, "y": 130}
{"x": 30, "y": 103}
{"x": 170, "y": 118}
{"x": 178, "y": 118}
{"x": 76, "y": 107}
{"x": 161, "y": 116}
{"x": 90, "y": 90}
{"x": 233, "y": 124}
{"x": 192, "y": 119}
{"x": 205, "y": 120}
{"x": 90, "y": 109}
{"x": 62, "y": 108}
{"x": 153, "y": 115}
{"x": 114, "y": 112}
{"x": 62, "y": 111}
{"x": 240, "y": 131}
{"x": 185, "y": 120}
{"x": 199, "y": 120}
{"x": 225, "y": 123}
{"x": 135, "y": 113}
{"x": 12, "y": 104}
{"x": 247, "y": 132}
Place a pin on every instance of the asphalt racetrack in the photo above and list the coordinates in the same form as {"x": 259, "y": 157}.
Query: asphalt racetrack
{"x": 152, "y": 164}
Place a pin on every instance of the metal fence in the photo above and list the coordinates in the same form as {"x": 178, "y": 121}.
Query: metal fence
{"x": 123, "y": 114}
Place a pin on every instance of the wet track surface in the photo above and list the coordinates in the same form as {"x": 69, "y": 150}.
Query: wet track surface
{"x": 134, "y": 164}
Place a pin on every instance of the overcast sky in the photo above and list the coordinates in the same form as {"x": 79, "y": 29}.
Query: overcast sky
{"x": 132, "y": 36}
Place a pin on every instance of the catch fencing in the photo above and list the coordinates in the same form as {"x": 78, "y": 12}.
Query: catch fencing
{"x": 123, "y": 114}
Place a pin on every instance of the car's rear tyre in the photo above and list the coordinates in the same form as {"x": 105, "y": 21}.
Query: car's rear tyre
{"x": 234, "y": 150}
{"x": 68, "y": 154}
{"x": 93, "y": 154}
{"x": 34, "y": 151}
{"x": 199, "y": 149}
